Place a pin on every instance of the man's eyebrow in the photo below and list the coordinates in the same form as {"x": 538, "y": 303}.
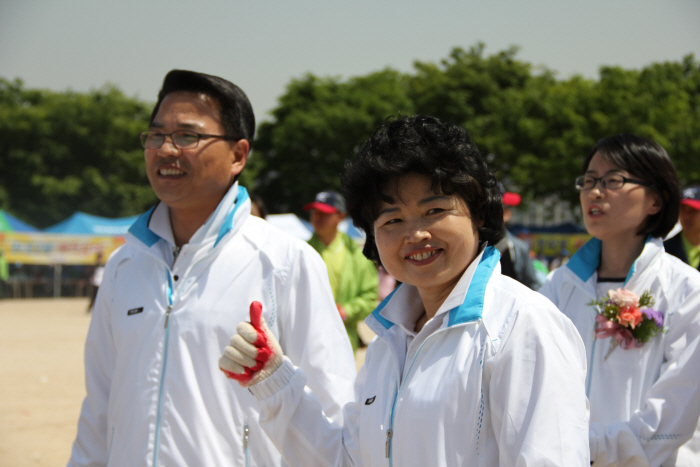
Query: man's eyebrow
{"x": 181, "y": 125}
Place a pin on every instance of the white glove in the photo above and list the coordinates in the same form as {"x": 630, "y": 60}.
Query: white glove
{"x": 254, "y": 353}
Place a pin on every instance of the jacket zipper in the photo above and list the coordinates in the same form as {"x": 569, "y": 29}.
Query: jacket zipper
{"x": 156, "y": 444}
{"x": 390, "y": 431}
{"x": 590, "y": 367}
{"x": 246, "y": 438}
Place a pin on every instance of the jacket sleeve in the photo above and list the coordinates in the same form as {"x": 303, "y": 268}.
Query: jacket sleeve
{"x": 312, "y": 334}
{"x": 537, "y": 392}
{"x": 293, "y": 418}
{"x": 366, "y": 279}
{"x": 91, "y": 444}
{"x": 669, "y": 416}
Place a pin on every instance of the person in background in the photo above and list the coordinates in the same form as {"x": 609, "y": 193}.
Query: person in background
{"x": 172, "y": 295}
{"x": 686, "y": 243}
{"x": 96, "y": 279}
{"x": 644, "y": 391}
{"x": 541, "y": 268}
{"x": 469, "y": 367}
{"x": 4, "y": 273}
{"x": 516, "y": 261}
{"x": 257, "y": 207}
{"x": 354, "y": 279}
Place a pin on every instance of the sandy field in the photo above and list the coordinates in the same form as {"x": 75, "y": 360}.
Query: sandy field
{"x": 41, "y": 379}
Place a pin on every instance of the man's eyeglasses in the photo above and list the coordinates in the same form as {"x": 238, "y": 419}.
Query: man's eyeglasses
{"x": 183, "y": 139}
{"x": 610, "y": 182}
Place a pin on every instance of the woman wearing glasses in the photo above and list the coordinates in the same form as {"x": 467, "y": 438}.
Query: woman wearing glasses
{"x": 643, "y": 381}
{"x": 469, "y": 367}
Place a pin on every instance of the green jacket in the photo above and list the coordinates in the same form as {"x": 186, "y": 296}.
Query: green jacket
{"x": 354, "y": 280}
{"x": 4, "y": 270}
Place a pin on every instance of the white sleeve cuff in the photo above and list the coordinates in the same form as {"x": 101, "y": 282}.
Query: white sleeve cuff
{"x": 275, "y": 382}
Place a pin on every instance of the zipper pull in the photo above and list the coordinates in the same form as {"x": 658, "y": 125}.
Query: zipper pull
{"x": 388, "y": 442}
{"x": 167, "y": 316}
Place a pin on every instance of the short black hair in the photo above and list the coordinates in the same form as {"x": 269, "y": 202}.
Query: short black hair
{"x": 648, "y": 161}
{"x": 236, "y": 112}
{"x": 424, "y": 145}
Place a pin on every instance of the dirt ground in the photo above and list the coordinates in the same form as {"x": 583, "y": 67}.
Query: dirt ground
{"x": 41, "y": 379}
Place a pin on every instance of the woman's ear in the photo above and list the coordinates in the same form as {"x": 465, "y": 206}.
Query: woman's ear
{"x": 657, "y": 203}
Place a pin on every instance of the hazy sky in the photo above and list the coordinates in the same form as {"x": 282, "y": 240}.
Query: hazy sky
{"x": 261, "y": 45}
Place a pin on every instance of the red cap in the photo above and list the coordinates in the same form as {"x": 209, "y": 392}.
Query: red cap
{"x": 327, "y": 202}
{"x": 323, "y": 207}
{"x": 691, "y": 197}
{"x": 511, "y": 199}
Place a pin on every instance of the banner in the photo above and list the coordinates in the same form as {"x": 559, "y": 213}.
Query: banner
{"x": 43, "y": 248}
{"x": 553, "y": 245}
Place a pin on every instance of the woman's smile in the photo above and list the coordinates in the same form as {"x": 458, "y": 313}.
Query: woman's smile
{"x": 426, "y": 256}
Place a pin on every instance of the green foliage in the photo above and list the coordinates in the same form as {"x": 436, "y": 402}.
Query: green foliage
{"x": 67, "y": 152}
{"x": 62, "y": 152}
{"x": 535, "y": 129}
{"x": 318, "y": 124}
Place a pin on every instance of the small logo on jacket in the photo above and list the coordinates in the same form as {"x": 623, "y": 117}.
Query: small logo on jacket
{"x": 134, "y": 311}
{"x": 370, "y": 400}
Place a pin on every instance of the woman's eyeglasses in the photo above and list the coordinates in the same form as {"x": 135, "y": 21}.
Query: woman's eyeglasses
{"x": 610, "y": 182}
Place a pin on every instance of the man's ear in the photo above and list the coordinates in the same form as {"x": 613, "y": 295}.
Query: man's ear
{"x": 240, "y": 150}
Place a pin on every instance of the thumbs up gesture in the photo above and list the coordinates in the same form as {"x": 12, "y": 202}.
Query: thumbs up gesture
{"x": 254, "y": 353}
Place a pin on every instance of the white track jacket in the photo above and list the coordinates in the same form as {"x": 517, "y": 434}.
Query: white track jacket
{"x": 155, "y": 394}
{"x": 496, "y": 378}
{"x": 645, "y": 402}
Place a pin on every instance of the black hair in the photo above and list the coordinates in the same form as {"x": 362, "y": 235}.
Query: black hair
{"x": 647, "y": 160}
{"x": 423, "y": 145}
{"x": 235, "y": 110}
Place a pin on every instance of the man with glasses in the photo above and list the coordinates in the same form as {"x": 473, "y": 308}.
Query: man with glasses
{"x": 173, "y": 294}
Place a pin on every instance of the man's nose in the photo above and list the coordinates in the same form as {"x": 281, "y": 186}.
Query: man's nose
{"x": 168, "y": 148}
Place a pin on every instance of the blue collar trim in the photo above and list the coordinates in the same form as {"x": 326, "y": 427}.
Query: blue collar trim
{"x": 228, "y": 222}
{"x": 586, "y": 260}
{"x": 140, "y": 230}
{"x": 376, "y": 313}
{"x": 473, "y": 306}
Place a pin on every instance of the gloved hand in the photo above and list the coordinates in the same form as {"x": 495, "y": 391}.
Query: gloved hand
{"x": 254, "y": 353}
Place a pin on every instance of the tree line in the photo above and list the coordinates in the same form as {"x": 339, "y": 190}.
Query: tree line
{"x": 67, "y": 151}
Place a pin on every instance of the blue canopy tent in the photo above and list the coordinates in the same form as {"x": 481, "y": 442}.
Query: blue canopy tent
{"x": 86, "y": 224}
{"x": 9, "y": 223}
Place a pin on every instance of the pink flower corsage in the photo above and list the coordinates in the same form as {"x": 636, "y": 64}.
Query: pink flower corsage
{"x": 628, "y": 318}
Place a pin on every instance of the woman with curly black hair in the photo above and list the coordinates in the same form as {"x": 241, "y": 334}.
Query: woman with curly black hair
{"x": 469, "y": 367}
